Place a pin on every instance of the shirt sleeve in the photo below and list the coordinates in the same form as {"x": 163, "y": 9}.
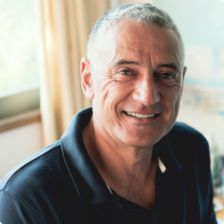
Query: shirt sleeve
{"x": 209, "y": 207}
{"x": 206, "y": 185}
{"x": 14, "y": 210}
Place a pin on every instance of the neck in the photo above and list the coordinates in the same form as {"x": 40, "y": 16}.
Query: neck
{"x": 117, "y": 163}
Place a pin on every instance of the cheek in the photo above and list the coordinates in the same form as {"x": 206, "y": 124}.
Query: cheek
{"x": 107, "y": 93}
{"x": 172, "y": 98}
{"x": 176, "y": 105}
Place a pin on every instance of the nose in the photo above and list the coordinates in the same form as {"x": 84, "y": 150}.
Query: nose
{"x": 146, "y": 91}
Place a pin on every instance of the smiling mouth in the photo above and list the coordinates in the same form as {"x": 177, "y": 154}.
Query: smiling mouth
{"x": 141, "y": 116}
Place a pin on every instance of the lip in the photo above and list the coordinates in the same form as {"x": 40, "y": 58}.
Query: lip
{"x": 141, "y": 118}
{"x": 142, "y": 115}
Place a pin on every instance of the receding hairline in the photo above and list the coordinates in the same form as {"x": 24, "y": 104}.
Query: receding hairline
{"x": 142, "y": 13}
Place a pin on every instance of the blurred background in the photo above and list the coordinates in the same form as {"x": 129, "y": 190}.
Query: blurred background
{"x": 41, "y": 43}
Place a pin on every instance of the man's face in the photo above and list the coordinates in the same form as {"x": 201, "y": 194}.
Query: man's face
{"x": 136, "y": 84}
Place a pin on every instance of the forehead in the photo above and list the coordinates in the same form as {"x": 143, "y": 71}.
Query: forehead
{"x": 132, "y": 39}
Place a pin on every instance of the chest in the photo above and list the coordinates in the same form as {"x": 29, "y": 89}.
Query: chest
{"x": 139, "y": 194}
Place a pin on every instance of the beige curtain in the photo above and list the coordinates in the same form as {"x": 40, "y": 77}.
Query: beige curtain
{"x": 64, "y": 26}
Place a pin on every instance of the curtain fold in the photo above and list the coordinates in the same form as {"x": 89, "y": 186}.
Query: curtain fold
{"x": 64, "y": 29}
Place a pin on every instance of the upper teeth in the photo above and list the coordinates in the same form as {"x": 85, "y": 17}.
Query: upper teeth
{"x": 141, "y": 115}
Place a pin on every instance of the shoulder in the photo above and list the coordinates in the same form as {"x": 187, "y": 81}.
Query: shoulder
{"x": 37, "y": 170}
{"x": 187, "y": 142}
{"x": 40, "y": 184}
{"x": 183, "y": 133}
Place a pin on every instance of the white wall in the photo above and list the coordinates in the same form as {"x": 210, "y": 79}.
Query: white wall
{"x": 17, "y": 144}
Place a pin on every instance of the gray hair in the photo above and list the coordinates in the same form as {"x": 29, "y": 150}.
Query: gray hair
{"x": 143, "y": 13}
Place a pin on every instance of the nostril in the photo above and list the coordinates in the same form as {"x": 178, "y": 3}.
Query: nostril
{"x": 147, "y": 93}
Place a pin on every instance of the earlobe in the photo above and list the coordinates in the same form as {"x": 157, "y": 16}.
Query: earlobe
{"x": 86, "y": 78}
{"x": 185, "y": 69}
{"x": 184, "y": 72}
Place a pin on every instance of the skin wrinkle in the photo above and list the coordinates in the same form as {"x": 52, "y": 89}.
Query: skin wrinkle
{"x": 109, "y": 85}
{"x": 112, "y": 83}
{"x": 94, "y": 141}
{"x": 135, "y": 44}
{"x": 122, "y": 151}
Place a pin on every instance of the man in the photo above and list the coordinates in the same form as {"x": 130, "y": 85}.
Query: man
{"x": 124, "y": 160}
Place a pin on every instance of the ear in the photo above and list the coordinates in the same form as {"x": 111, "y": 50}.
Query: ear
{"x": 86, "y": 78}
{"x": 184, "y": 72}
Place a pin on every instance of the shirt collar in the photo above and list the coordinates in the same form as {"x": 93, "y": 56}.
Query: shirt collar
{"x": 161, "y": 166}
{"x": 90, "y": 185}
{"x": 167, "y": 162}
{"x": 86, "y": 179}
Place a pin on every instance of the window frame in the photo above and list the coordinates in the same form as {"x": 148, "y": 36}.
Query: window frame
{"x": 19, "y": 109}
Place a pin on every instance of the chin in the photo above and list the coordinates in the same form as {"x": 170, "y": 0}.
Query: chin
{"x": 141, "y": 141}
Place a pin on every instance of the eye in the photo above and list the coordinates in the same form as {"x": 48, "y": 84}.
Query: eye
{"x": 126, "y": 72}
{"x": 166, "y": 78}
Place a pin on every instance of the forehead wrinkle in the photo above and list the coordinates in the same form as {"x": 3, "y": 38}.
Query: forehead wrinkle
{"x": 124, "y": 61}
{"x": 133, "y": 48}
{"x": 126, "y": 58}
{"x": 132, "y": 54}
{"x": 172, "y": 52}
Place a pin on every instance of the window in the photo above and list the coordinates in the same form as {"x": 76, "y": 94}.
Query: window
{"x": 19, "y": 65}
{"x": 201, "y": 23}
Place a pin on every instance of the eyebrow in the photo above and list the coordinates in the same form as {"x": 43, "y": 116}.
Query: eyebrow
{"x": 130, "y": 62}
{"x": 127, "y": 62}
{"x": 169, "y": 65}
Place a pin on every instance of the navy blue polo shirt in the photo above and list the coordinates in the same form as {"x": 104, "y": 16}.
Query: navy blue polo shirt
{"x": 61, "y": 185}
